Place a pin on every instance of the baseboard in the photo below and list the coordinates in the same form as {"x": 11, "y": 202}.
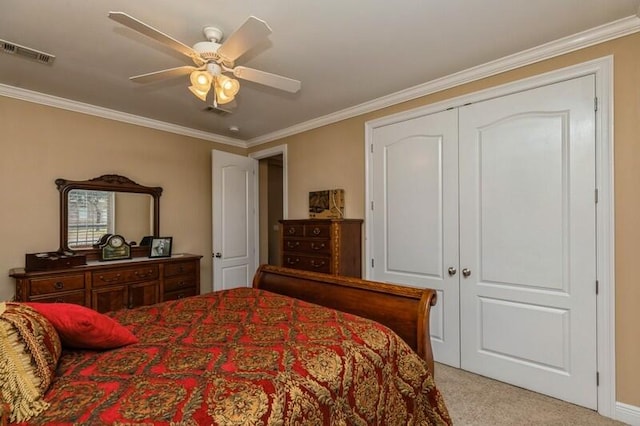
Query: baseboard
{"x": 628, "y": 414}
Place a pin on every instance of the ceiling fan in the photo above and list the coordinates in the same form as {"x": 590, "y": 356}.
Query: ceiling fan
{"x": 213, "y": 59}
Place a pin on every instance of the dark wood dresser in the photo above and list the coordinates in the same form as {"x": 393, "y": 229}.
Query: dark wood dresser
{"x": 114, "y": 285}
{"x": 331, "y": 246}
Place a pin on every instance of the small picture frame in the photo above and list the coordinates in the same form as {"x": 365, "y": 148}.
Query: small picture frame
{"x": 161, "y": 247}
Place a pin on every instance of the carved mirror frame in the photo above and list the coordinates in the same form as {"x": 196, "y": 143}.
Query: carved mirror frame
{"x": 114, "y": 183}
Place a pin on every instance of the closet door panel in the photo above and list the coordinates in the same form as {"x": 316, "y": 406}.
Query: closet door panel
{"x": 414, "y": 236}
{"x": 527, "y": 239}
{"x": 522, "y": 186}
{"x": 414, "y": 217}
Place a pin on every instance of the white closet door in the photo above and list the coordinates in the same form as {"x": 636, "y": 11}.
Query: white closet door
{"x": 527, "y": 237}
{"x": 414, "y": 239}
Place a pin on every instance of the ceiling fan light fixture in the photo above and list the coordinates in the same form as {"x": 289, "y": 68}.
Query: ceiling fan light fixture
{"x": 225, "y": 89}
{"x": 201, "y": 94}
{"x": 230, "y": 86}
{"x": 201, "y": 80}
{"x": 221, "y": 98}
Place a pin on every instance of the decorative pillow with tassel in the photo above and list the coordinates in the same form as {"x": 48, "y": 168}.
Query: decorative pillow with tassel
{"x": 29, "y": 352}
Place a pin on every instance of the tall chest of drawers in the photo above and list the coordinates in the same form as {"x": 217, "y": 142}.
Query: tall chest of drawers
{"x": 331, "y": 246}
{"x": 110, "y": 286}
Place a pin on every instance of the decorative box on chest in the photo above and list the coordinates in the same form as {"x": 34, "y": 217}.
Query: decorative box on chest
{"x": 47, "y": 261}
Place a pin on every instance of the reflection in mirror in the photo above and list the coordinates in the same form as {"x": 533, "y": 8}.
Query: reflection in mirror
{"x": 133, "y": 216}
{"x": 108, "y": 204}
{"x": 92, "y": 214}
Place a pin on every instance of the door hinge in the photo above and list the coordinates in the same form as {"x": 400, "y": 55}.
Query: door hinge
{"x": 372, "y": 263}
{"x": 371, "y": 148}
{"x": 595, "y": 104}
{"x": 597, "y": 378}
{"x": 597, "y": 287}
{"x": 372, "y": 205}
{"x": 596, "y": 195}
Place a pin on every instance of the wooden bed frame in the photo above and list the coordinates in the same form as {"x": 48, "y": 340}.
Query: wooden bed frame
{"x": 403, "y": 309}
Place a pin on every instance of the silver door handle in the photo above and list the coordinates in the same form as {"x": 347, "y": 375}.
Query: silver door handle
{"x": 466, "y": 272}
{"x": 452, "y": 271}
{"x": 218, "y": 255}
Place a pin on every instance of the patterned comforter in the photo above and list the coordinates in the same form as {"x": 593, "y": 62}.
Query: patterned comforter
{"x": 246, "y": 357}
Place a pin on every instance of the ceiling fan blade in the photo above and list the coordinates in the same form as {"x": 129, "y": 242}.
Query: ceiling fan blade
{"x": 252, "y": 32}
{"x": 268, "y": 79}
{"x": 161, "y": 75}
{"x": 142, "y": 28}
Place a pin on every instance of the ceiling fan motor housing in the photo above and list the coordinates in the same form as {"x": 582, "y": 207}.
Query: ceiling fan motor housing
{"x": 208, "y": 50}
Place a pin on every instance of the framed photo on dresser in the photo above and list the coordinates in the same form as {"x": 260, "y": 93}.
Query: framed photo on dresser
{"x": 161, "y": 247}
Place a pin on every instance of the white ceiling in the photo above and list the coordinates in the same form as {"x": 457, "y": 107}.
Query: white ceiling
{"x": 346, "y": 53}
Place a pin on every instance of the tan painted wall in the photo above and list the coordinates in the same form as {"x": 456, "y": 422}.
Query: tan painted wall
{"x": 333, "y": 157}
{"x": 39, "y": 144}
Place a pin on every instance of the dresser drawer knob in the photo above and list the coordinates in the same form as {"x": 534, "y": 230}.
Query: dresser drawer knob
{"x": 292, "y": 231}
{"x": 291, "y": 261}
{"x": 59, "y": 285}
{"x": 293, "y": 244}
{"x": 315, "y": 246}
{"x": 316, "y": 231}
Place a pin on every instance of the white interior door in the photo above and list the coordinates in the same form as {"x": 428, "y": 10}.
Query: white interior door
{"x": 234, "y": 220}
{"x": 414, "y": 233}
{"x": 527, "y": 238}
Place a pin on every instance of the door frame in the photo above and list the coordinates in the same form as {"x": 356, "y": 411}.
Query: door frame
{"x": 259, "y": 155}
{"x": 602, "y": 68}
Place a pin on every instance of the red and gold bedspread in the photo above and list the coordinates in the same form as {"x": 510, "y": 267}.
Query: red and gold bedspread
{"x": 246, "y": 357}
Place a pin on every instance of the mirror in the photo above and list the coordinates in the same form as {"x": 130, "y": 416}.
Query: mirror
{"x": 108, "y": 204}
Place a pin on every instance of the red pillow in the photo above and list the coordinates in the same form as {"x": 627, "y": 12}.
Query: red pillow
{"x": 83, "y": 328}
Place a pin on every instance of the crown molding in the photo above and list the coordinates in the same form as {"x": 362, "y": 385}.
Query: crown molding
{"x": 110, "y": 114}
{"x": 593, "y": 36}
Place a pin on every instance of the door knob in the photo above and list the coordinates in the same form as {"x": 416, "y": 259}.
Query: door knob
{"x": 218, "y": 255}
{"x": 466, "y": 272}
{"x": 452, "y": 271}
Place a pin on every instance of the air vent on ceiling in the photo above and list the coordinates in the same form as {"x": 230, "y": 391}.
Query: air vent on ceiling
{"x": 33, "y": 54}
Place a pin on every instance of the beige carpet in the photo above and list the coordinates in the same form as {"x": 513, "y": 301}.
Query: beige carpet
{"x": 476, "y": 400}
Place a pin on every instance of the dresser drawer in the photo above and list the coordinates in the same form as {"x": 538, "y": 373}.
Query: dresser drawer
{"x": 77, "y": 297}
{"x": 317, "y": 230}
{"x": 307, "y": 263}
{"x": 179, "y": 268}
{"x": 293, "y": 230}
{"x": 120, "y": 276}
{"x": 57, "y": 284}
{"x": 179, "y": 283}
{"x": 307, "y": 245}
